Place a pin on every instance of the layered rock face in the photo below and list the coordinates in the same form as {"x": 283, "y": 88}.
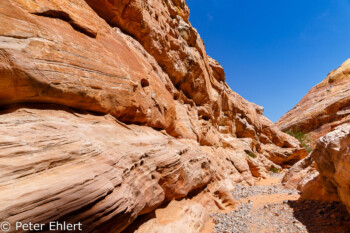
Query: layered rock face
{"x": 333, "y": 162}
{"x": 111, "y": 108}
{"x": 324, "y": 107}
{"x": 300, "y": 174}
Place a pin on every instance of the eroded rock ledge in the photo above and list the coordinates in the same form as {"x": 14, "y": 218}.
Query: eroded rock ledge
{"x": 323, "y": 108}
{"x": 112, "y": 108}
{"x": 332, "y": 158}
{"x": 323, "y": 114}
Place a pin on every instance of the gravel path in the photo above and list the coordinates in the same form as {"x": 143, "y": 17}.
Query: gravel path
{"x": 271, "y": 208}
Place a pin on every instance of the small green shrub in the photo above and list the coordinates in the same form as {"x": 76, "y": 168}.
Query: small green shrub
{"x": 274, "y": 170}
{"x": 250, "y": 154}
{"x": 302, "y": 137}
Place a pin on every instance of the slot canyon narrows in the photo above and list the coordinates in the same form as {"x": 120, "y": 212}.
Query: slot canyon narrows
{"x": 113, "y": 118}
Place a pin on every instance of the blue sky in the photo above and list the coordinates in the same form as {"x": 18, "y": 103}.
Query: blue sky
{"x": 274, "y": 51}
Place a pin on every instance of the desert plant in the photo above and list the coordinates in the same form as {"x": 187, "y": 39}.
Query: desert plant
{"x": 302, "y": 137}
{"x": 274, "y": 169}
{"x": 250, "y": 154}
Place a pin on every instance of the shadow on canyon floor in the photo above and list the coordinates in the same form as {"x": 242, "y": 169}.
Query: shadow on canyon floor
{"x": 319, "y": 217}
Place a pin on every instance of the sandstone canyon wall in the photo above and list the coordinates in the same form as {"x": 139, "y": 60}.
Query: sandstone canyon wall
{"x": 323, "y": 114}
{"x": 110, "y": 109}
{"x": 323, "y": 108}
{"x": 333, "y": 162}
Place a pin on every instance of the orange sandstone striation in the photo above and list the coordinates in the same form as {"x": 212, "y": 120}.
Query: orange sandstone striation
{"x": 110, "y": 109}
{"x": 323, "y": 108}
{"x": 333, "y": 161}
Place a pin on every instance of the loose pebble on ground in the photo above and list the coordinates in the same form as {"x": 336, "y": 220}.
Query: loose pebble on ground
{"x": 272, "y": 208}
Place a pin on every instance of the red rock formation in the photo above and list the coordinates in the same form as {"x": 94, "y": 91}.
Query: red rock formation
{"x": 333, "y": 161}
{"x": 112, "y": 108}
{"x": 300, "y": 174}
{"x": 323, "y": 108}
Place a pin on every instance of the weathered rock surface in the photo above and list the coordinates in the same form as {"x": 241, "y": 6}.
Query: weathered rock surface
{"x": 324, "y": 107}
{"x": 112, "y": 108}
{"x": 300, "y": 174}
{"x": 333, "y": 161}
{"x": 179, "y": 216}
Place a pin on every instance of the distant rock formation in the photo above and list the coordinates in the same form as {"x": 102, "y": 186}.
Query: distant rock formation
{"x": 323, "y": 108}
{"x": 110, "y": 109}
{"x": 324, "y": 114}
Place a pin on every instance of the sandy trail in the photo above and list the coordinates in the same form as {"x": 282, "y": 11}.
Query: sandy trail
{"x": 268, "y": 207}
